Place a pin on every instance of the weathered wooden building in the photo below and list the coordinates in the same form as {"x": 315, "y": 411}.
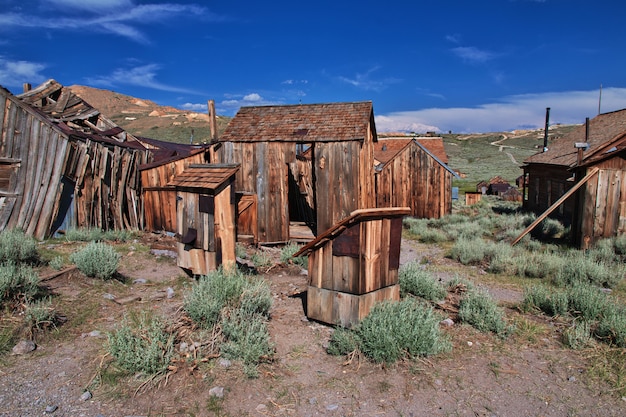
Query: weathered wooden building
{"x": 205, "y": 222}
{"x": 413, "y": 172}
{"x": 64, "y": 164}
{"x": 353, "y": 265}
{"x": 309, "y": 165}
{"x": 157, "y": 189}
{"x": 598, "y": 208}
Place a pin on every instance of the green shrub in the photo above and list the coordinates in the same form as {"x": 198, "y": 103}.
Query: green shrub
{"x": 578, "y": 268}
{"x": 342, "y": 342}
{"x": 479, "y": 310}
{"x": 287, "y": 252}
{"x": 551, "y": 302}
{"x": 96, "y": 259}
{"x": 83, "y": 234}
{"x": 612, "y": 326}
{"x": 16, "y": 247}
{"x": 394, "y": 329}
{"x": 56, "y": 263}
{"x": 578, "y": 335}
{"x": 247, "y": 339}
{"x": 587, "y": 302}
{"x": 261, "y": 259}
{"x": 141, "y": 344}
{"x": 40, "y": 314}
{"x": 117, "y": 235}
{"x": 255, "y": 298}
{"x": 415, "y": 280}
{"x": 211, "y": 293}
{"x": 474, "y": 251}
{"x": 18, "y": 282}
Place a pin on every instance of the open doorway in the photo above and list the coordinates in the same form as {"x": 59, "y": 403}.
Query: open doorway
{"x": 302, "y": 215}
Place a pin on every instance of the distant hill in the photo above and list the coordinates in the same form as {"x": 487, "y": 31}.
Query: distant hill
{"x": 482, "y": 156}
{"x": 146, "y": 118}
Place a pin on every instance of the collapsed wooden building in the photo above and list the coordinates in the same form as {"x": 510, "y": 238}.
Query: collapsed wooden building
{"x": 63, "y": 164}
{"x": 413, "y": 172}
{"x": 585, "y": 173}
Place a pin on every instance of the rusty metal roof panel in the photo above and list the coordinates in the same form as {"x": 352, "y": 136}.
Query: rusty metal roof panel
{"x": 327, "y": 122}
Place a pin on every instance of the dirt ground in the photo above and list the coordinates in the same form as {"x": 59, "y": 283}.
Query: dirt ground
{"x": 529, "y": 374}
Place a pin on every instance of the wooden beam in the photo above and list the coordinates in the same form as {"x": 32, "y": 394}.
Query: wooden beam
{"x": 556, "y": 204}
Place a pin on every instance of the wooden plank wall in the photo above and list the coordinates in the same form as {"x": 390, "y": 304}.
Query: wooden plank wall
{"x": 107, "y": 183}
{"x": 603, "y": 207}
{"x": 338, "y": 174}
{"x": 369, "y": 271}
{"x": 159, "y": 199}
{"x": 107, "y": 192}
{"x": 216, "y": 239}
{"x": 35, "y": 153}
{"x": 414, "y": 179}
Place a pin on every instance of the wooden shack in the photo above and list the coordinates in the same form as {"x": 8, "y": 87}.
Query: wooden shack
{"x": 597, "y": 208}
{"x": 63, "y": 164}
{"x": 413, "y": 172}
{"x": 158, "y": 193}
{"x": 353, "y": 265}
{"x": 206, "y": 217}
{"x": 303, "y": 167}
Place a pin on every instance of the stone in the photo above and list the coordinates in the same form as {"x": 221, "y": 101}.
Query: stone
{"x": 23, "y": 347}
{"x": 332, "y": 407}
{"x": 447, "y": 322}
{"x": 225, "y": 363}
{"x": 170, "y": 292}
{"x": 85, "y": 396}
{"x": 217, "y": 392}
{"x": 51, "y": 409}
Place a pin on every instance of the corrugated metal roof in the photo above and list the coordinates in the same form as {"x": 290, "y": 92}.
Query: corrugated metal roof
{"x": 604, "y": 129}
{"x": 328, "y": 122}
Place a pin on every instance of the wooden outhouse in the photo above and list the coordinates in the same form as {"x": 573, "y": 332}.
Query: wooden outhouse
{"x": 303, "y": 167}
{"x": 413, "y": 172}
{"x": 63, "y": 164}
{"x": 205, "y": 221}
{"x": 353, "y": 265}
{"x": 593, "y": 154}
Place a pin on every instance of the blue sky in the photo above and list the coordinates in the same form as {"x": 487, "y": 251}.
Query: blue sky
{"x": 442, "y": 65}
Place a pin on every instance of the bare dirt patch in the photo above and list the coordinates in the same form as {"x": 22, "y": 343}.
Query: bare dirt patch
{"x": 529, "y": 374}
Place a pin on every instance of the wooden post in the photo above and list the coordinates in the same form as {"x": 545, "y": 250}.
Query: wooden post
{"x": 212, "y": 121}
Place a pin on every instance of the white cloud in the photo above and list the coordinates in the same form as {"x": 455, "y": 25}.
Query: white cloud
{"x": 233, "y": 102}
{"x": 141, "y": 76}
{"x": 118, "y": 17}
{"x": 195, "y": 107}
{"x": 473, "y": 54}
{"x": 367, "y": 82}
{"x": 525, "y": 111}
{"x": 254, "y": 97}
{"x": 16, "y": 73}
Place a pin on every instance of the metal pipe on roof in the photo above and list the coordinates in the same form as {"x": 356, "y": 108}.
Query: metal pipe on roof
{"x": 545, "y": 134}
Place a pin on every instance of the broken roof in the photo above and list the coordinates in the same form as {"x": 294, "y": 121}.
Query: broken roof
{"x": 607, "y": 134}
{"x": 74, "y": 116}
{"x": 328, "y": 122}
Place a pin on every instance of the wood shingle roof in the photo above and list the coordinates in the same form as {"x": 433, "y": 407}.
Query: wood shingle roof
{"x": 606, "y": 131}
{"x": 329, "y": 122}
